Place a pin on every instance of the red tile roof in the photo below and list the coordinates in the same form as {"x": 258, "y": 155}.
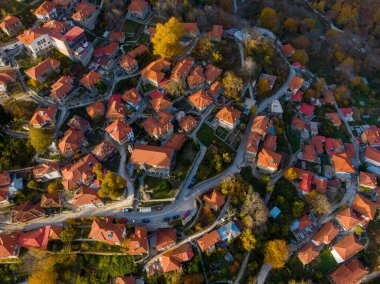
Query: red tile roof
{"x": 9, "y": 21}
{"x": 326, "y": 234}
{"x": 270, "y": 142}
{"x": 158, "y": 126}
{"x": 118, "y": 130}
{"x": 261, "y": 124}
{"x": 8, "y": 244}
{"x": 62, "y": 87}
{"x": 342, "y": 163}
{"x": 200, "y": 100}
{"x": 348, "y": 246}
{"x": 349, "y": 273}
{"x": 104, "y": 230}
{"x": 215, "y": 199}
{"x": 116, "y": 108}
{"x": 296, "y": 83}
{"x": 103, "y": 150}
{"x": 138, "y": 51}
{"x": 79, "y": 123}
{"x": 306, "y": 109}
{"x": 309, "y": 153}
{"x": 42, "y": 68}
{"x": 212, "y": 73}
{"x": 288, "y": 49}
{"x": 297, "y": 97}
{"x": 38, "y": 238}
{"x": 347, "y": 219}
{"x": 228, "y": 114}
{"x": 172, "y": 259}
{"x": 216, "y": 32}
{"x": 71, "y": 141}
{"x": 108, "y": 50}
{"x": 334, "y": 118}
{"x": 368, "y": 180}
{"x": 152, "y": 155}
{"x": 182, "y": 68}
{"x": 84, "y": 10}
{"x": 90, "y": 79}
{"x": 138, "y": 243}
{"x": 154, "y": 70}
{"x": 307, "y": 253}
{"x": 371, "y": 136}
{"x": 43, "y": 115}
{"x": 86, "y": 195}
{"x": 208, "y": 240}
{"x": 44, "y": 9}
{"x": 364, "y": 206}
{"x": 137, "y": 6}
{"x": 161, "y": 104}
{"x": 127, "y": 61}
{"x": 50, "y": 200}
{"x": 372, "y": 154}
{"x": 27, "y": 211}
{"x": 132, "y": 97}
{"x": 188, "y": 123}
{"x": 95, "y": 109}
{"x": 269, "y": 159}
{"x": 7, "y": 76}
{"x": 176, "y": 141}
{"x": 165, "y": 238}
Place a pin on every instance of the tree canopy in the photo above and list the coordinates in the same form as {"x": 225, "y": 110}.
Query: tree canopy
{"x": 166, "y": 39}
{"x": 40, "y": 139}
{"x": 232, "y": 85}
{"x": 112, "y": 185}
{"x": 269, "y": 19}
{"x": 276, "y": 253}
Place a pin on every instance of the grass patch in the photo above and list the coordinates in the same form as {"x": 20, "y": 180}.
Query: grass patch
{"x": 131, "y": 27}
{"x": 221, "y": 132}
{"x": 206, "y": 134}
{"x": 160, "y": 188}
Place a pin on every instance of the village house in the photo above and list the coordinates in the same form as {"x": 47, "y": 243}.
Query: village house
{"x": 44, "y": 116}
{"x": 212, "y": 73}
{"x": 104, "y": 151}
{"x": 326, "y": 234}
{"x": 11, "y": 25}
{"x": 350, "y": 272}
{"x": 129, "y": 64}
{"x": 347, "y": 113}
{"x": 26, "y": 212}
{"x": 79, "y": 173}
{"x": 296, "y": 84}
{"x": 303, "y": 226}
{"x": 182, "y": 69}
{"x": 41, "y": 71}
{"x": 71, "y": 143}
{"x": 309, "y": 154}
{"x": 228, "y": 117}
{"x": 371, "y": 136}
{"x": 63, "y": 6}
{"x": 154, "y": 72}
{"x": 200, "y": 100}
{"x": 188, "y": 123}
{"x": 367, "y": 181}
{"x": 252, "y": 146}
{"x": 214, "y": 200}
{"x": 86, "y": 14}
{"x": 216, "y": 89}
{"x": 208, "y": 241}
{"x": 307, "y": 253}
{"x": 91, "y": 80}
{"x": 288, "y": 50}
{"x": 372, "y": 157}
{"x": 364, "y": 208}
{"x": 161, "y": 104}
{"x": 347, "y": 219}
{"x": 7, "y": 77}
{"x": 138, "y": 241}
{"x": 85, "y": 198}
{"x": 153, "y": 160}
{"x": 104, "y": 230}
{"x": 125, "y": 280}
{"x": 165, "y": 238}
{"x": 37, "y": 238}
{"x": 80, "y": 124}
{"x": 334, "y": 118}
{"x": 159, "y": 126}
{"x": 62, "y": 88}
{"x": 268, "y": 161}
{"x": 95, "y": 110}
{"x": 176, "y": 141}
{"x": 342, "y": 165}
{"x": 139, "y": 9}
{"x": 216, "y": 33}
{"x": 8, "y": 246}
{"x": 196, "y": 80}
{"x": 133, "y": 99}
{"x": 50, "y": 200}
{"x": 138, "y": 51}
{"x": 345, "y": 248}
{"x": 46, "y": 11}
{"x": 191, "y": 30}
{"x": 46, "y": 171}
{"x": 117, "y": 36}
{"x": 171, "y": 260}
{"x": 120, "y": 131}
{"x": 116, "y": 108}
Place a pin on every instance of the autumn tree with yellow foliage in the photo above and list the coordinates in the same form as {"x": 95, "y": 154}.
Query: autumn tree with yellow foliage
{"x": 276, "y": 253}
{"x": 290, "y": 174}
{"x": 166, "y": 39}
{"x": 233, "y": 85}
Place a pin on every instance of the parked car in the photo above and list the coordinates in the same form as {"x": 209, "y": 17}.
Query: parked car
{"x": 166, "y": 219}
{"x": 175, "y": 217}
{"x": 187, "y": 213}
{"x": 126, "y": 209}
{"x": 124, "y": 220}
{"x": 145, "y": 221}
{"x": 158, "y": 208}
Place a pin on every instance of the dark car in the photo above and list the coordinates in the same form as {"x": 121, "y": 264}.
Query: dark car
{"x": 166, "y": 219}
{"x": 187, "y": 213}
{"x": 145, "y": 221}
{"x": 175, "y": 217}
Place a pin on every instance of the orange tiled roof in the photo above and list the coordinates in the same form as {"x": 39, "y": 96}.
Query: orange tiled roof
{"x": 188, "y": 122}
{"x": 141, "y": 49}
{"x": 165, "y": 238}
{"x": 371, "y": 136}
{"x": 172, "y": 259}
{"x": 153, "y": 70}
{"x": 288, "y": 49}
{"x": 216, "y": 88}
{"x": 90, "y": 79}
{"x": 62, "y": 87}
{"x": 42, "y": 67}
{"x": 348, "y": 246}
{"x": 86, "y": 195}
{"x": 364, "y": 206}
{"x": 342, "y": 163}
{"x": 137, "y": 6}
{"x": 317, "y": 142}
{"x": 158, "y": 127}
{"x": 8, "y": 244}
{"x": 83, "y": 11}
{"x": 138, "y": 243}
{"x": 334, "y": 118}
{"x": 298, "y": 123}
{"x": 326, "y": 234}
{"x": 132, "y": 97}
{"x": 9, "y": 21}
{"x": 190, "y": 27}
{"x": 45, "y": 168}
{"x": 347, "y": 219}
{"x": 208, "y": 240}
{"x": 296, "y": 83}
{"x": 27, "y": 211}
{"x": 116, "y": 109}
{"x": 55, "y": 232}
{"x": 176, "y": 141}
{"x": 307, "y": 253}
{"x": 79, "y": 123}
{"x": 160, "y": 104}
{"x": 349, "y": 273}
{"x": 119, "y": 130}
{"x": 261, "y": 124}
{"x": 212, "y": 72}
{"x": 269, "y": 159}
{"x": 44, "y": 9}
{"x": 43, "y": 115}
{"x": 372, "y": 154}
{"x": 228, "y": 114}
{"x": 216, "y": 32}
{"x": 200, "y": 99}
{"x": 55, "y": 26}
{"x": 125, "y": 280}
{"x": 253, "y": 142}
{"x": 71, "y": 141}
{"x": 103, "y": 150}
{"x": 127, "y": 61}
{"x": 109, "y": 49}
{"x": 117, "y": 36}
{"x": 368, "y": 180}
{"x": 95, "y": 109}
{"x": 182, "y": 68}
{"x": 270, "y": 142}
{"x": 309, "y": 154}
{"x": 28, "y": 36}
{"x": 215, "y": 199}
{"x": 152, "y": 155}
{"x": 7, "y": 76}
{"x": 50, "y": 200}
{"x": 196, "y": 77}
{"x": 106, "y": 231}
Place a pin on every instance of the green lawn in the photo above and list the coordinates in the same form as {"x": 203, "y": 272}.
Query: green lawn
{"x": 327, "y": 262}
{"x": 160, "y": 188}
{"x": 131, "y": 27}
{"x": 206, "y": 134}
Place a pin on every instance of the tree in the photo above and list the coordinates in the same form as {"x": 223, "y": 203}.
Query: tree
{"x": 166, "y": 39}
{"x": 175, "y": 88}
{"x": 254, "y": 206}
{"x": 290, "y": 24}
{"x": 298, "y": 209}
{"x": 263, "y": 88}
{"x": 232, "y": 85}
{"x": 68, "y": 234}
{"x": 40, "y": 139}
{"x": 290, "y": 174}
{"x": 248, "y": 239}
{"x": 276, "y": 253}
{"x": 112, "y": 185}
{"x": 54, "y": 186}
{"x": 269, "y": 19}
{"x": 32, "y": 184}
{"x": 14, "y": 153}
{"x": 301, "y": 56}
{"x": 46, "y": 276}
{"x": 193, "y": 279}
{"x": 20, "y": 109}
{"x": 318, "y": 202}
{"x": 309, "y": 23}
{"x": 204, "y": 47}
{"x": 301, "y": 42}
{"x": 216, "y": 56}
{"x": 249, "y": 66}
